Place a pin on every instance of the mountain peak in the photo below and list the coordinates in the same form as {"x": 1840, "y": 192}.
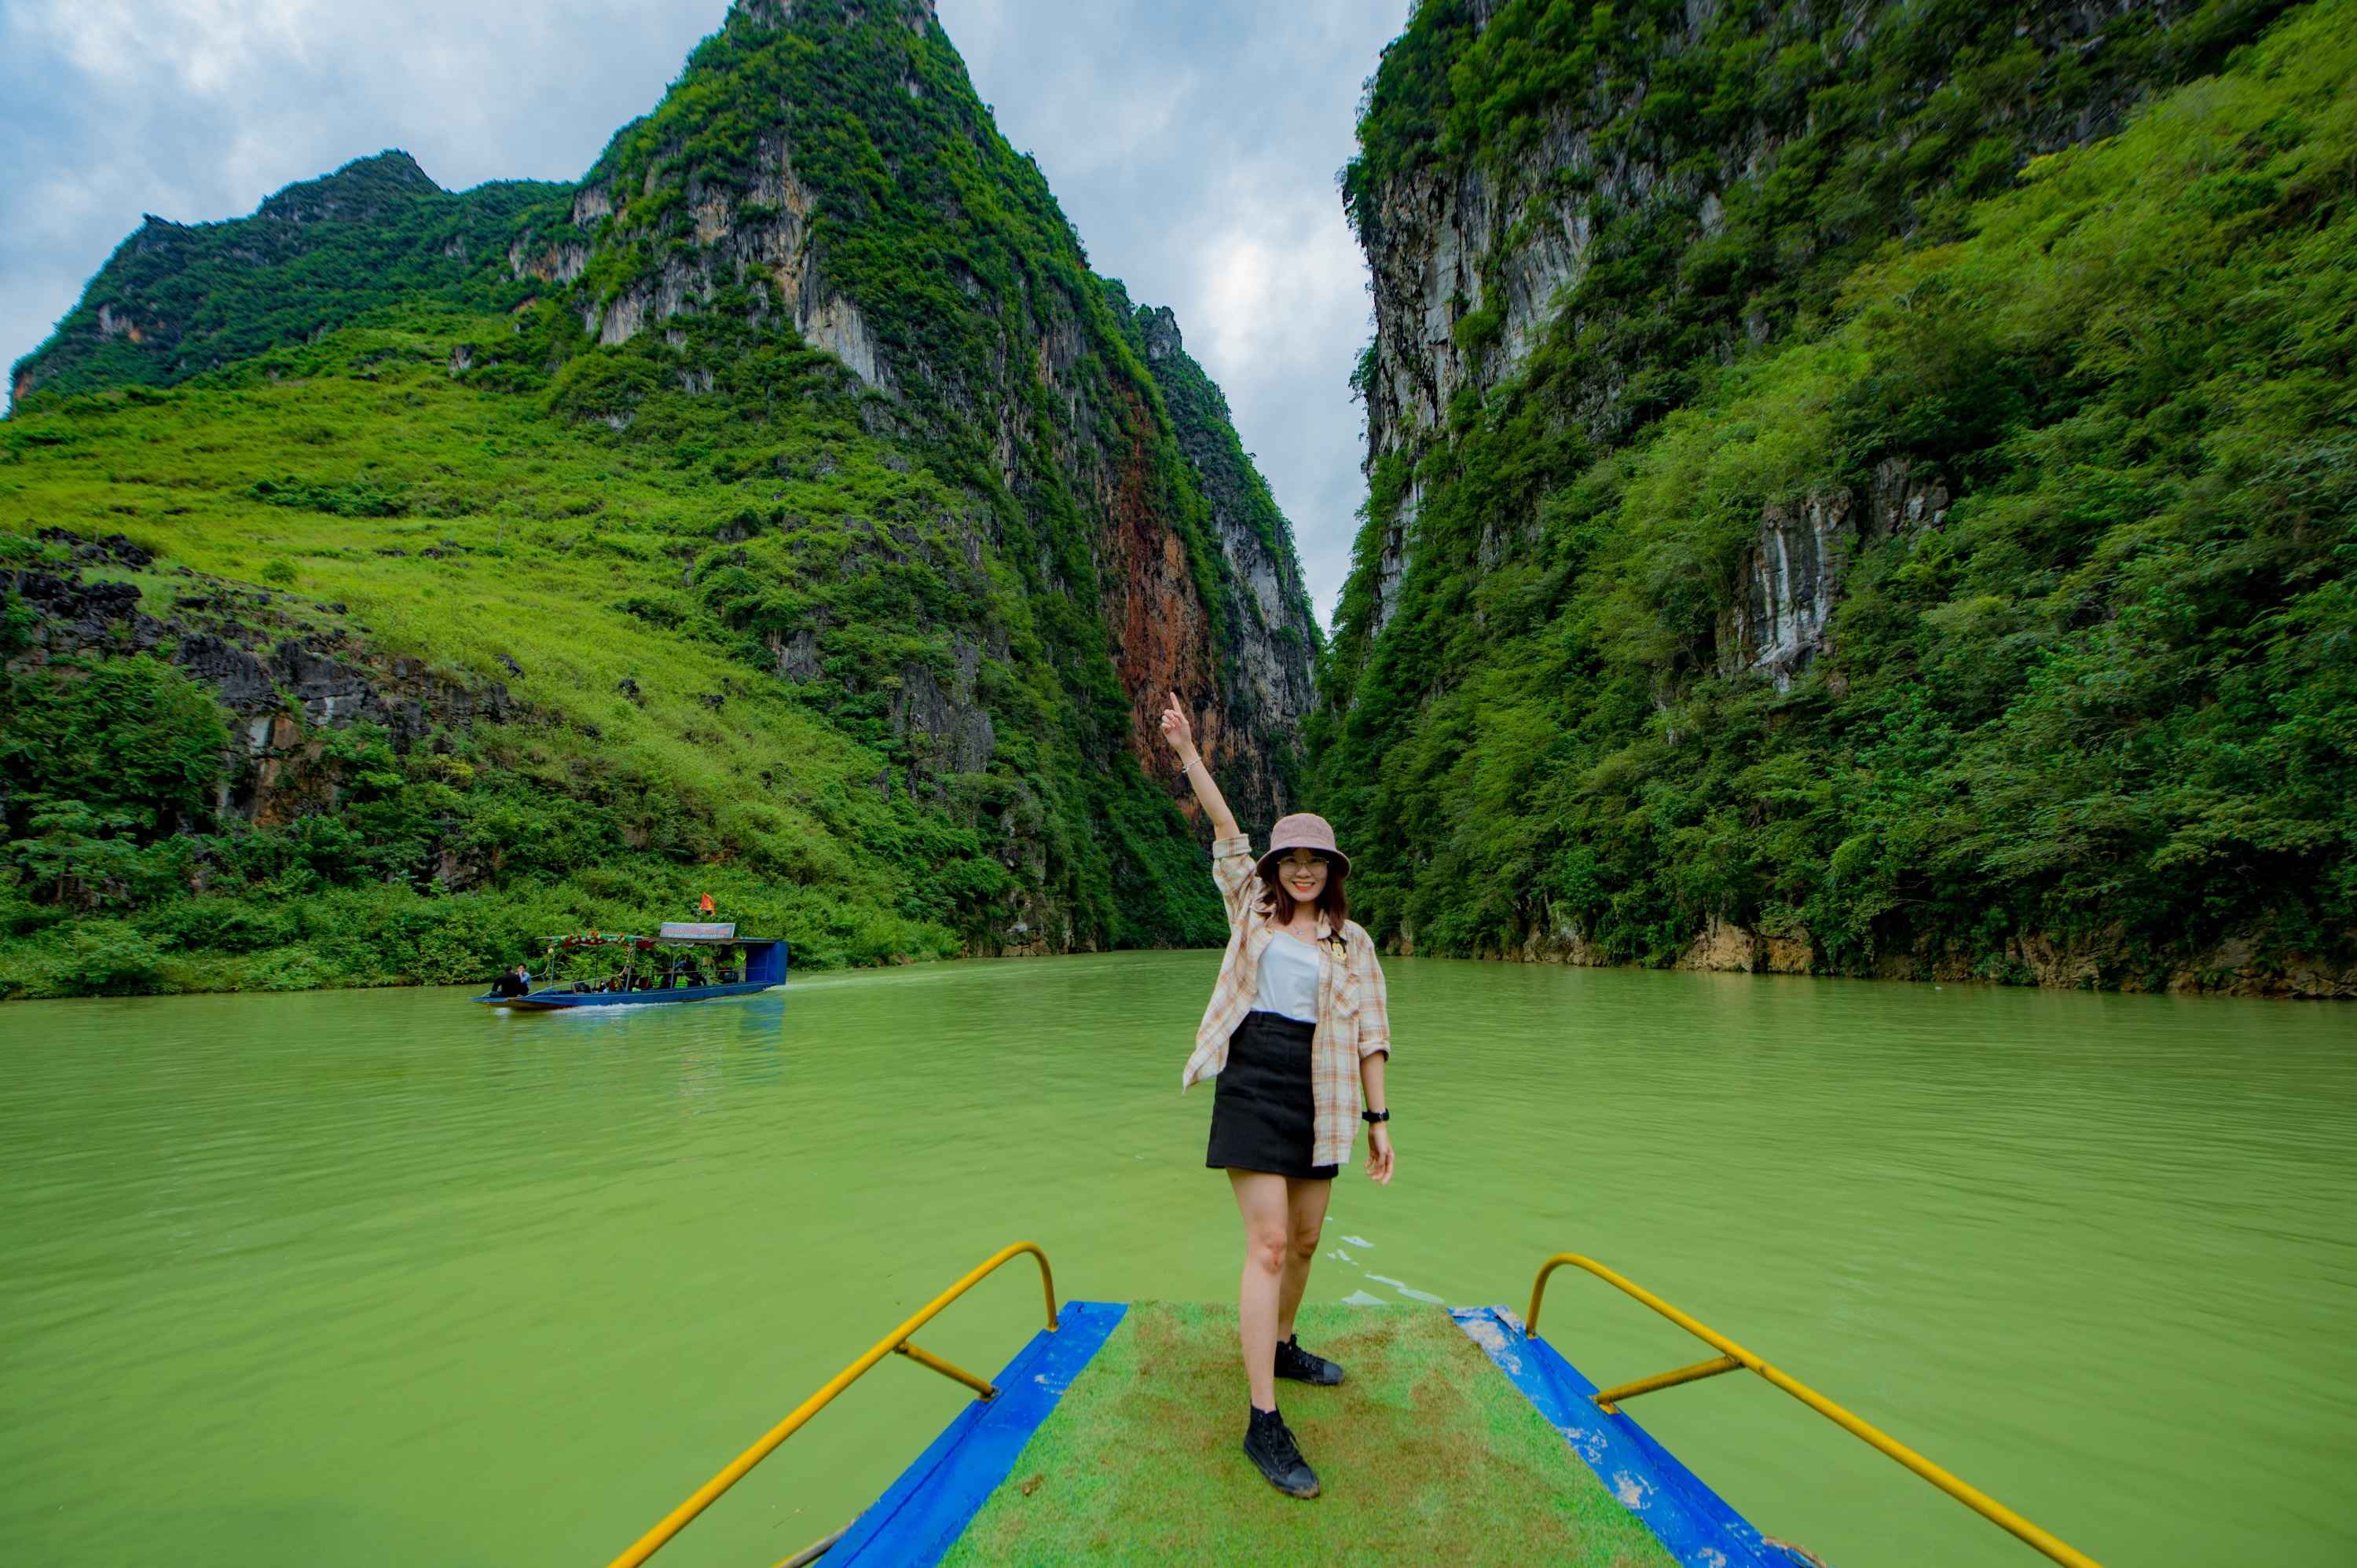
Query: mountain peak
{"x": 915, "y": 15}
{"x": 179, "y": 299}
{"x": 934, "y": 512}
{"x": 1161, "y": 329}
{"x": 359, "y": 192}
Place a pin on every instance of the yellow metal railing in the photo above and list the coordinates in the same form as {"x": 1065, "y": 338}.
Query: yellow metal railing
{"x": 1735, "y": 1358}
{"x": 893, "y": 1342}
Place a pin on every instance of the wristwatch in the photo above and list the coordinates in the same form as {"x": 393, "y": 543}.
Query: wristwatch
{"x": 1375, "y": 1116}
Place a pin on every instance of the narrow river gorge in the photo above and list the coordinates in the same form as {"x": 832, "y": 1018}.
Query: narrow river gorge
{"x": 375, "y": 1277}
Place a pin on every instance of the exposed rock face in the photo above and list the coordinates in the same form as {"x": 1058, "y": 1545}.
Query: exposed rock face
{"x": 743, "y": 231}
{"x": 1791, "y": 578}
{"x": 936, "y": 710}
{"x": 283, "y": 688}
{"x": 1432, "y": 244}
{"x": 1785, "y": 594}
{"x": 1438, "y": 252}
{"x": 70, "y": 614}
{"x": 2233, "y": 967}
{"x": 949, "y": 728}
{"x": 1153, "y": 605}
{"x": 1495, "y": 243}
{"x": 1210, "y": 607}
{"x": 1272, "y": 634}
{"x": 297, "y": 678}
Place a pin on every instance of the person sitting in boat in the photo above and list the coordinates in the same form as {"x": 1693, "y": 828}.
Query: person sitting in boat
{"x": 1298, "y": 1034}
{"x": 516, "y": 981}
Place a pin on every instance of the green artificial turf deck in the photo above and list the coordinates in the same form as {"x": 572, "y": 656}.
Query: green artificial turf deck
{"x": 1427, "y": 1454}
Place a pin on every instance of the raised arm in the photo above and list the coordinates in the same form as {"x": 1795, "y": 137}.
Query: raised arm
{"x": 1181, "y": 733}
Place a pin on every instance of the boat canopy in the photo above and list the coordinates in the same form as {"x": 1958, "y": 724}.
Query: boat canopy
{"x": 699, "y": 932}
{"x": 765, "y": 958}
{"x": 673, "y": 933}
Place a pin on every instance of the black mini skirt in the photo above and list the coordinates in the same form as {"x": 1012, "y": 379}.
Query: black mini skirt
{"x": 1264, "y": 1116}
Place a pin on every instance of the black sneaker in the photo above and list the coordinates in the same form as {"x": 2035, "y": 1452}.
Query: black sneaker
{"x": 1293, "y": 1361}
{"x": 1270, "y": 1445}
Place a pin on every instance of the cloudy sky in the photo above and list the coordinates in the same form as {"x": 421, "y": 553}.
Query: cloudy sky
{"x": 1194, "y": 145}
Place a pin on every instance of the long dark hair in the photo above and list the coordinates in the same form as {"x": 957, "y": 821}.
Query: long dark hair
{"x": 1333, "y": 900}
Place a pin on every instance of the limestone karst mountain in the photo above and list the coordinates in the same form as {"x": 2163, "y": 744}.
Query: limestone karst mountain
{"x": 1862, "y": 490}
{"x": 786, "y": 506}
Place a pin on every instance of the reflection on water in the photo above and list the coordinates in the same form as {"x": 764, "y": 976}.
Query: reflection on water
{"x": 377, "y": 1278}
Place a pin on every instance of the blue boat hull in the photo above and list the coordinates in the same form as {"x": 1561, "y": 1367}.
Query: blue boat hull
{"x": 923, "y": 1514}
{"x": 558, "y": 1001}
{"x": 1697, "y": 1526}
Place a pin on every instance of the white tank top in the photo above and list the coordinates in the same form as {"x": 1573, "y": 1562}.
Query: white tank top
{"x": 1288, "y": 978}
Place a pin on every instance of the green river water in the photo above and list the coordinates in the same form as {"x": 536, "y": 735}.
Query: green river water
{"x": 381, "y": 1278}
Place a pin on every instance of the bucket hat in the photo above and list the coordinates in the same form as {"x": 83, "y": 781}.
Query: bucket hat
{"x": 1303, "y": 830}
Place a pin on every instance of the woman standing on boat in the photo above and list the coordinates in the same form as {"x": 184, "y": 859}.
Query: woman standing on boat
{"x": 1295, "y": 1030}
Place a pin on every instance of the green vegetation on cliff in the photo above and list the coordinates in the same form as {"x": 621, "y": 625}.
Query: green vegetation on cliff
{"x": 178, "y": 300}
{"x": 2076, "y": 444}
{"x": 772, "y": 515}
{"x": 643, "y": 765}
{"x": 1865, "y": 132}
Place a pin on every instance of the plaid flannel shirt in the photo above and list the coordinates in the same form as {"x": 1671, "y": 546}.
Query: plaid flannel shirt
{"x": 1353, "y": 1017}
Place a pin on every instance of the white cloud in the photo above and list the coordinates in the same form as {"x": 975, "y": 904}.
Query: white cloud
{"x": 197, "y": 108}
{"x": 1193, "y": 146}
{"x": 207, "y": 47}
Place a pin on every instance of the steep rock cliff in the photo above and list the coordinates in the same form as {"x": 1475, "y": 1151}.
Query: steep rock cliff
{"x": 878, "y": 210}
{"x": 1646, "y": 188}
{"x": 1733, "y": 514}
{"x": 1273, "y": 637}
{"x": 806, "y": 393}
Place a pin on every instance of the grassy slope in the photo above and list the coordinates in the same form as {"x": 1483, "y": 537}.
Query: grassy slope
{"x": 1427, "y": 1455}
{"x": 2112, "y": 699}
{"x": 788, "y": 566}
{"x": 600, "y": 799}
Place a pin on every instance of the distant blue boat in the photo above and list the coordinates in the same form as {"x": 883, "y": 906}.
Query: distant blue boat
{"x": 647, "y": 978}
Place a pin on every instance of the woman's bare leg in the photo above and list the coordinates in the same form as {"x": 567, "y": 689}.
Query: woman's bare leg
{"x": 1305, "y": 1222}
{"x": 1263, "y": 1201}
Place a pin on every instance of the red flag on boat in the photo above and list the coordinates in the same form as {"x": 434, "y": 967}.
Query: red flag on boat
{"x": 707, "y": 905}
